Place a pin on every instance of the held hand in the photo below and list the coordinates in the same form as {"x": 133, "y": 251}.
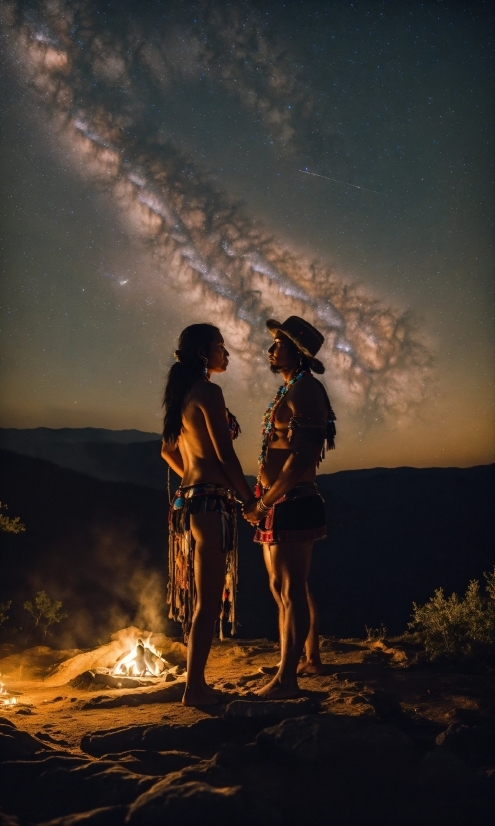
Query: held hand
{"x": 250, "y": 512}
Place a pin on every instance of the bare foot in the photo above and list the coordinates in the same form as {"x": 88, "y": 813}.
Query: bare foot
{"x": 215, "y": 692}
{"x": 199, "y": 697}
{"x": 275, "y": 690}
{"x": 310, "y": 667}
{"x": 269, "y": 669}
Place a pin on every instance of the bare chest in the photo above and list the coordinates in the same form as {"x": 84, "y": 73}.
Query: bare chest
{"x": 280, "y": 430}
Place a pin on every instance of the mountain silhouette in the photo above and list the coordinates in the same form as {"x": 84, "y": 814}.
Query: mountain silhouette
{"x": 395, "y": 535}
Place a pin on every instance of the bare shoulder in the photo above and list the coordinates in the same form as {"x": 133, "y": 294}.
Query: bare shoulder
{"x": 208, "y": 394}
{"x": 308, "y": 398}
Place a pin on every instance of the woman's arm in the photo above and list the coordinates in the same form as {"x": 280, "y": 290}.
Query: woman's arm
{"x": 173, "y": 456}
{"x": 212, "y": 406}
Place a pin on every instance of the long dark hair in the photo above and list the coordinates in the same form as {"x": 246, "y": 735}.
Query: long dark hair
{"x": 188, "y": 368}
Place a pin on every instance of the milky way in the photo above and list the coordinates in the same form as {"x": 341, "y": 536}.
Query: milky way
{"x": 95, "y": 81}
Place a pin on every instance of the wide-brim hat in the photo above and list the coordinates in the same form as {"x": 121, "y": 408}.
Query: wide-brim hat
{"x": 306, "y": 338}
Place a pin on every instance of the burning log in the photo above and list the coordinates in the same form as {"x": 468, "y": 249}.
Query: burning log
{"x": 143, "y": 660}
{"x": 6, "y": 698}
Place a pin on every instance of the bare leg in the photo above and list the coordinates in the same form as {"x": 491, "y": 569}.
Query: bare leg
{"x": 275, "y": 589}
{"x": 290, "y": 562}
{"x": 311, "y": 663}
{"x": 209, "y": 575}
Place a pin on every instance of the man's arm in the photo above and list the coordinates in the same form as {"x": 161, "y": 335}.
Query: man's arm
{"x": 173, "y": 456}
{"x": 213, "y": 408}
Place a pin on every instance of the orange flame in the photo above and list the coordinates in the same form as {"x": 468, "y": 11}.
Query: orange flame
{"x": 144, "y": 659}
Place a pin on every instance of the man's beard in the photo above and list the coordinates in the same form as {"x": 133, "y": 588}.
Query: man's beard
{"x": 275, "y": 369}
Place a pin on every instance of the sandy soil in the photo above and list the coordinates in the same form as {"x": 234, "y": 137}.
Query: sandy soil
{"x": 360, "y": 678}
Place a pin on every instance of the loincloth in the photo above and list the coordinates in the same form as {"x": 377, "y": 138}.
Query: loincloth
{"x": 299, "y": 516}
{"x": 181, "y": 592}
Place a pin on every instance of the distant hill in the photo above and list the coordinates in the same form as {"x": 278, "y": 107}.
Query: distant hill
{"x": 13, "y": 438}
{"x": 111, "y": 455}
{"x": 102, "y": 548}
{"x": 394, "y": 536}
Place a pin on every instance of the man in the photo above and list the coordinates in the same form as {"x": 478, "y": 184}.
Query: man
{"x": 289, "y": 512}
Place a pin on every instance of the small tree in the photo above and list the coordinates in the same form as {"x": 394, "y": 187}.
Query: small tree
{"x": 459, "y": 630}
{"x": 44, "y": 612}
{"x": 10, "y": 525}
{"x": 4, "y": 607}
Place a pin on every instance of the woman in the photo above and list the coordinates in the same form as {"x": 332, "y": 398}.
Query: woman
{"x": 197, "y": 444}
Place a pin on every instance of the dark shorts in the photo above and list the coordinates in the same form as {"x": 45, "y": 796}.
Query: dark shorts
{"x": 300, "y": 517}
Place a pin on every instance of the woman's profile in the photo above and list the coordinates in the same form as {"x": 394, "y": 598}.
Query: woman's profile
{"x": 197, "y": 444}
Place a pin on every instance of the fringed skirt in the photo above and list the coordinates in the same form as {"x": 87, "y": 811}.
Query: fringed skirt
{"x": 181, "y": 595}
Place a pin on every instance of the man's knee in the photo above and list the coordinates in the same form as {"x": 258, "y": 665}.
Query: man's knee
{"x": 275, "y": 586}
{"x": 293, "y": 594}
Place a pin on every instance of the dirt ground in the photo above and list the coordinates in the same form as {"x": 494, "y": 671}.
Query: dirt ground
{"x": 381, "y": 737}
{"x": 360, "y": 678}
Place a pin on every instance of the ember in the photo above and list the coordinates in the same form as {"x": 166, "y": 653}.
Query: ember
{"x": 6, "y": 699}
{"x": 144, "y": 659}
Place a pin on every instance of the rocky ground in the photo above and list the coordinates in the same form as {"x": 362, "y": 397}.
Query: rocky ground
{"x": 380, "y": 738}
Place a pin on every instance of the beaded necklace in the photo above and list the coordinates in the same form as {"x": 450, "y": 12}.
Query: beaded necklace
{"x": 268, "y": 421}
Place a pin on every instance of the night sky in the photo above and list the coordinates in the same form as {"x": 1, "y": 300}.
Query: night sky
{"x": 151, "y": 168}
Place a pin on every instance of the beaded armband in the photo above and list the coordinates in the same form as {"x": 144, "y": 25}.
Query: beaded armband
{"x": 320, "y": 429}
{"x": 261, "y": 507}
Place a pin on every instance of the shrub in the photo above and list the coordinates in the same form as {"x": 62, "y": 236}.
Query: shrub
{"x": 4, "y": 608}
{"x": 44, "y": 612}
{"x": 10, "y": 525}
{"x": 375, "y": 634}
{"x": 457, "y": 630}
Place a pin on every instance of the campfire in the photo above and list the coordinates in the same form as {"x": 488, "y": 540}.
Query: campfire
{"x": 132, "y": 658}
{"x": 144, "y": 660}
{"x": 6, "y": 699}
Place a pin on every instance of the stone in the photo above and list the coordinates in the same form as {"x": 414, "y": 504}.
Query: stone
{"x": 269, "y": 710}
{"x": 357, "y": 744}
{"x": 189, "y": 804}
{"x": 114, "y": 740}
{"x": 440, "y": 765}
{"x": 204, "y": 735}
{"x": 49, "y": 739}
{"x": 475, "y": 744}
{"x": 346, "y": 676}
{"x": 233, "y": 755}
{"x": 105, "y": 816}
{"x": 153, "y": 763}
{"x": 15, "y": 744}
{"x": 64, "y": 784}
{"x": 301, "y": 737}
{"x": 451, "y": 792}
{"x": 172, "y": 693}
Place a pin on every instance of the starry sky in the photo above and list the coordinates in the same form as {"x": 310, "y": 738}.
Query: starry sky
{"x": 154, "y": 171}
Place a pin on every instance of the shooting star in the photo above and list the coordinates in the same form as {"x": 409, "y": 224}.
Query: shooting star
{"x": 315, "y": 175}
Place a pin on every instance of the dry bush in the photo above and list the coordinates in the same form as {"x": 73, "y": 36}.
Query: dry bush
{"x": 459, "y": 631}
